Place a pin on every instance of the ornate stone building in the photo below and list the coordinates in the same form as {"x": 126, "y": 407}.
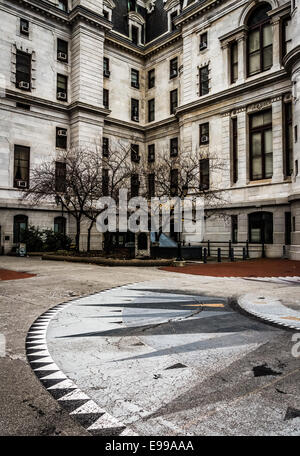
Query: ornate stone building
{"x": 216, "y": 75}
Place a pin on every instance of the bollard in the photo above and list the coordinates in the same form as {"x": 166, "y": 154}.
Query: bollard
{"x": 208, "y": 248}
{"x": 219, "y": 255}
{"x": 200, "y": 253}
{"x": 229, "y": 250}
{"x": 244, "y": 253}
{"x": 263, "y": 253}
{"x": 283, "y": 251}
{"x": 232, "y": 254}
{"x": 247, "y": 248}
{"x": 205, "y": 256}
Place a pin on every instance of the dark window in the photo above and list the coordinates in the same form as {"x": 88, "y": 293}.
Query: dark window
{"x": 135, "y": 79}
{"x": 23, "y": 70}
{"x": 134, "y": 34}
{"x": 204, "y": 174}
{"x": 62, "y": 87}
{"x": 106, "y": 98}
{"x": 151, "y": 110}
{"x": 173, "y": 147}
{"x": 203, "y": 80}
{"x": 134, "y": 110}
{"x": 60, "y": 225}
{"x": 151, "y": 79}
{"x": 203, "y": 41}
{"x": 151, "y": 153}
{"x": 286, "y": 37}
{"x": 135, "y": 155}
{"x": 288, "y": 227}
{"x": 105, "y": 182}
{"x": 260, "y": 41}
{"x": 288, "y": 138}
{"x": 151, "y": 185}
{"x": 261, "y": 147}
{"x": 106, "y": 72}
{"x": 61, "y": 137}
{"x": 21, "y": 166}
{"x": 20, "y": 224}
{"x": 172, "y": 18}
{"x": 234, "y": 150}
{"x": 173, "y": 68}
{"x": 60, "y": 177}
{"x": 24, "y": 27}
{"x": 173, "y": 101}
{"x": 63, "y": 5}
{"x": 105, "y": 147}
{"x": 132, "y": 5}
{"x": 62, "y": 50}
{"x": 135, "y": 185}
{"x": 296, "y": 133}
{"x": 261, "y": 227}
{"x": 234, "y": 61}
{"x": 174, "y": 182}
{"x": 234, "y": 228}
{"x": 204, "y": 133}
{"x": 105, "y": 14}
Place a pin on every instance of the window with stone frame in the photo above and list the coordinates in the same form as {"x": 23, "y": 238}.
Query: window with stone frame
{"x": 203, "y": 80}
{"x": 151, "y": 153}
{"x": 288, "y": 138}
{"x": 234, "y": 135}
{"x": 134, "y": 110}
{"x": 203, "y": 41}
{"x": 106, "y": 98}
{"x": 60, "y": 176}
{"x": 173, "y": 147}
{"x": 105, "y": 147}
{"x": 173, "y": 101}
{"x": 106, "y": 71}
{"x": 63, "y": 5}
{"x": 62, "y": 87}
{"x": 135, "y": 154}
{"x": 204, "y": 133}
{"x": 62, "y": 50}
{"x": 261, "y": 145}
{"x": 151, "y": 110}
{"x": 24, "y": 27}
{"x": 23, "y": 70}
{"x": 135, "y": 78}
{"x": 61, "y": 137}
{"x": 204, "y": 174}
{"x": 21, "y": 166}
{"x": 259, "y": 40}
{"x": 233, "y": 49}
{"x": 151, "y": 78}
{"x": 173, "y": 68}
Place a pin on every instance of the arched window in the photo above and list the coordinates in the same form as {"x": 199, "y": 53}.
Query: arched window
{"x": 260, "y": 40}
{"x": 261, "y": 227}
{"x": 60, "y": 225}
{"x": 20, "y": 224}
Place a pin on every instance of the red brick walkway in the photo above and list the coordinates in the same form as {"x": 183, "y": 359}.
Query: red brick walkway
{"x": 264, "y": 267}
{"x": 6, "y": 274}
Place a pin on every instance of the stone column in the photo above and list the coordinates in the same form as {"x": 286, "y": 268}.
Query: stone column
{"x": 277, "y": 133}
{"x": 242, "y": 147}
{"x": 241, "y": 59}
{"x": 276, "y": 43}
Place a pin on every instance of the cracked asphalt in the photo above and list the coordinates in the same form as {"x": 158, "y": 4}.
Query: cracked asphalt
{"x": 162, "y": 367}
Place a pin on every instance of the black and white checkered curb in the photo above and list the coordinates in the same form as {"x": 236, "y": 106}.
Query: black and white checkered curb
{"x": 79, "y": 406}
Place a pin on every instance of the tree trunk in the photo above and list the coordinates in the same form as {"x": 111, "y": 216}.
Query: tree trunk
{"x": 89, "y": 236}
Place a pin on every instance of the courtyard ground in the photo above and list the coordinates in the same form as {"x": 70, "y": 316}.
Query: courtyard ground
{"x": 28, "y": 409}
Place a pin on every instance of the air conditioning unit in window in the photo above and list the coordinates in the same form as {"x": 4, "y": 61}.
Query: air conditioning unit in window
{"x": 25, "y": 29}
{"x": 174, "y": 73}
{"x": 61, "y": 95}
{"x": 21, "y": 183}
{"x": 204, "y": 139}
{"x": 24, "y": 85}
{"x": 106, "y": 73}
{"x": 135, "y": 118}
{"x": 62, "y": 133}
{"x": 203, "y": 46}
{"x": 62, "y": 56}
{"x": 174, "y": 152}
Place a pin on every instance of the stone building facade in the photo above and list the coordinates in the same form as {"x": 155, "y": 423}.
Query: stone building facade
{"x": 215, "y": 75}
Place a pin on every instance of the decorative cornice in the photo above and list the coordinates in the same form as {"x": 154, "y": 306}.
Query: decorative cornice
{"x": 191, "y": 13}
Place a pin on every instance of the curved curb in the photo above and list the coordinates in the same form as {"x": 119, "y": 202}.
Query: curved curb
{"x": 96, "y": 421}
{"x": 243, "y": 303}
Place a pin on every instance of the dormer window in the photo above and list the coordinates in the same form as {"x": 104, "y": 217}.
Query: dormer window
{"x": 172, "y": 7}
{"x": 63, "y": 5}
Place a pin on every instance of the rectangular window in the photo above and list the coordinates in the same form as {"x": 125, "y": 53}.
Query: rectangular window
{"x": 63, "y": 5}
{"x": 288, "y": 138}
{"x": 151, "y": 79}
{"x": 234, "y": 133}
{"x": 172, "y": 18}
{"x": 106, "y": 72}
{"x": 151, "y": 110}
{"x": 61, "y": 138}
{"x": 204, "y": 133}
{"x": 105, "y": 182}
{"x": 203, "y": 41}
{"x": 261, "y": 145}
{"x": 62, "y": 50}
{"x": 135, "y": 185}
{"x": 151, "y": 153}
{"x": 60, "y": 177}
{"x": 234, "y": 228}
{"x": 151, "y": 185}
{"x": 135, "y": 155}
{"x": 174, "y": 182}
{"x": 21, "y": 166}
{"x": 24, "y": 27}
{"x": 173, "y": 101}
{"x": 260, "y": 49}
{"x": 203, "y": 81}
{"x": 173, "y": 147}
{"x": 234, "y": 62}
{"x": 135, "y": 79}
{"x": 134, "y": 110}
{"x": 134, "y": 34}
{"x": 173, "y": 68}
{"x": 106, "y": 98}
{"x": 204, "y": 174}
{"x": 62, "y": 87}
{"x": 105, "y": 147}
{"x": 23, "y": 70}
